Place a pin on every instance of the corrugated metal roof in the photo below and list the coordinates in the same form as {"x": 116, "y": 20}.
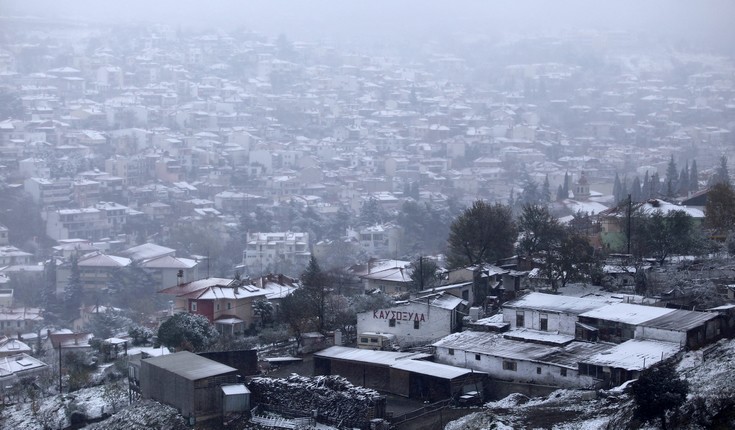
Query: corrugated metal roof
{"x": 436, "y": 370}
{"x": 634, "y": 354}
{"x": 189, "y": 365}
{"x": 383, "y": 358}
{"x": 680, "y": 320}
{"x": 627, "y": 313}
{"x": 496, "y": 345}
{"x": 556, "y": 303}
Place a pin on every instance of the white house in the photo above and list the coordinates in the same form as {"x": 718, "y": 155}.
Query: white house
{"x": 549, "y": 312}
{"x": 417, "y": 322}
{"x": 518, "y": 361}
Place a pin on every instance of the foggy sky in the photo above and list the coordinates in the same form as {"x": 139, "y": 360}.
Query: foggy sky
{"x": 700, "y": 20}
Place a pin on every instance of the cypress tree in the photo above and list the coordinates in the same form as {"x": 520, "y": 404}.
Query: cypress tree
{"x": 694, "y": 177}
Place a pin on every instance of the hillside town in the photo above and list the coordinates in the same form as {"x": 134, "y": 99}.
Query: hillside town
{"x": 227, "y": 228}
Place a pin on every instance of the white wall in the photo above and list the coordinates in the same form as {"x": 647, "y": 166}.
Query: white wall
{"x": 434, "y": 323}
{"x": 526, "y": 371}
{"x": 564, "y": 323}
{"x": 650, "y": 333}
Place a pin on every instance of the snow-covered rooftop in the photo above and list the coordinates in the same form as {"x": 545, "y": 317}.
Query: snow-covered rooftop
{"x": 557, "y": 303}
{"x": 383, "y": 358}
{"x": 627, "y": 313}
{"x": 436, "y": 370}
{"x": 189, "y": 365}
{"x": 634, "y": 354}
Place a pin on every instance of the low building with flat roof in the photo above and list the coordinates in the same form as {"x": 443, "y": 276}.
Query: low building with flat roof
{"x": 188, "y": 382}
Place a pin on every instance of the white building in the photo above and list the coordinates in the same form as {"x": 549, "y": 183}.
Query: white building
{"x": 49, "y": 193}
{"x": 85, "y": 223}
{"x": 518, "y": 361}
{"x": 269, "y": 252}
{"x": 549, "y": 312}
{"x": 416, "y": 322}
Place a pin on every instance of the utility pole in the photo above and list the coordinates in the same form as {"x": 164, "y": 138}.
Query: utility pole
{"x": 421, "y": 273}
{"x": 630, "y": 210}
{"x": 59, "y": 367}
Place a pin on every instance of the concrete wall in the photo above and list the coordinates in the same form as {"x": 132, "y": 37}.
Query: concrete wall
{"x": 651, "y": 333}
{"x": 526, "y": 371}
{"x": 564, "y": 323}
{"x": 434, "y": 323}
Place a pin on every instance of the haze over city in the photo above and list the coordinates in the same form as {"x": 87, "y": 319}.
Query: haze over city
{"x": 380, "y": 214}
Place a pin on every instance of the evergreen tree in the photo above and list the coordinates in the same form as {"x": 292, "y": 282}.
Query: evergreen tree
{"x": 546, "y": 191}
{"x": 315, "y": 284}
{"x": 423, "y": 274}
{"x": 672, "y": 178}
{"x": 560, "y": 193}
{"x": 722, "y": 174}
{"x": 646, "y": 188}
{"x": 635, "y": 190}
{"x": 371, "y": 213}
{"x": 683, "y": 189}
{"x": 337, "y": 227}
{"x": 655, "y": 186}
{"x": 720, "y": 209}
{"x": 617, "y": 187}
{"x": 624, "y": 190}
{"x": 186, "y": 331}
{"x": 694, "y": 177}
{"x": 50, "y": 299}
{"x": 73, "y": 290}
{"x": 565, "y": 188}
{"x": 657, "y": 391}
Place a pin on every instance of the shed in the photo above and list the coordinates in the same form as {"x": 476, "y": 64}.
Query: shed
{"x": 235, "y": 398}
{"x": 186, "y": 381}
{"x": 425, "y": 380}
{"x": 362, "y": 367}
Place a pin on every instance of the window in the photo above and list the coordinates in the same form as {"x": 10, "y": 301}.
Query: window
{"x": 193, "y": 306}
{"x": 363, "y": 340}
{"x": 416, "y": 324}
{"x": 392, "y": 322}
{"x": 510, "y": 365}
{"x": 465, "y": 295}
{"x": 477, "y": 357}
{"x": 538, "y": 370}
{"x": 451, "y": 351}
{"x": 520, "y": 320}
{"x": 229, "y": 306}
{"x": 563, "y": 372}
{"x": 544, "y": 323}
{"x": 217, "y": 306}
{"x": 373, "y": 340}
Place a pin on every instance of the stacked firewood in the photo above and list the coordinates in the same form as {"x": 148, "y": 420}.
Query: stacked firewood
{"x": 330, "y": 396}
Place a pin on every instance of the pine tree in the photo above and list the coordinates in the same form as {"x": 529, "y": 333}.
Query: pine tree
{"x": 694, "y": 177}
{"x": 646, "y": 188}
{"x": 565, "y": 189}
{"x": 73, "y": 291}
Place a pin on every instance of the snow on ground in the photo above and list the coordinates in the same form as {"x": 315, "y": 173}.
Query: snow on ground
{"x": 712, "y": 391}
{"x": 52, "y": 411}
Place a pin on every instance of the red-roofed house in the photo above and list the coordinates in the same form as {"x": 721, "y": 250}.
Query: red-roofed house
{"x": 228, "y": 303}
